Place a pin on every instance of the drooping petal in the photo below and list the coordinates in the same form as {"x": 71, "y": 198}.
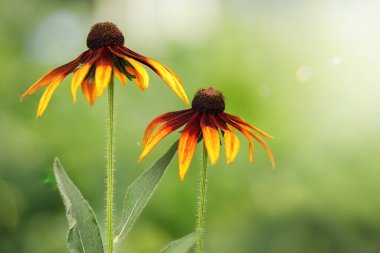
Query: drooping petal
{"x": 84, "y": 72}
{"x": 61, "y": 71}
{"x": 78, "y": 78}
{"x": 103, "y": 73}
{"x": 163, "y": 118}
{"x": 246, "y": 133}
{"x": 210, "y": 137}
{"x": 168, "y": 76}
{"x": 44, "y": 101}
{"x": 231, "y": 141}
{"x": 187, "y": 144}
{"x": 43, "y": 81}
{"x": 245, "y": 124}
{"x": 165, "y": 73}
{"x": 241, "y": 128}
{"x": 251, "y": 151}
{"x": 89, "y": 91}
{"x": 232, "y": 144}
{"x": 266, "y": 147}
{"x": 142, "y": 78}
{"x": 161, "y": 132}
{"x": 120, "y": 76}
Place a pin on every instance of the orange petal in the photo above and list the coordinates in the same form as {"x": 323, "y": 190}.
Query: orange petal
{"x": 120, "y": 76}
{"x": 245, "y": 132}
{"x": 142, "y": 78}
{"x": 232, "y": 144}
{"x": 162, "y": 118}
{"x": 43, "y": 81}
{"x": 169, "y": 78}
{"x": 61, "y": 71}
{"x": 163, "y": 131}
{"x": 266, "y": 147}
{"x": 103, "y": 74}
{"x": 187, "y": 145}
{"x": 78, "y": 78}
{"x": 245, "y": 124}
{"x": 89, "y": 91}
{"x": 44, "y": 101}
{"x": 210, "y": 138}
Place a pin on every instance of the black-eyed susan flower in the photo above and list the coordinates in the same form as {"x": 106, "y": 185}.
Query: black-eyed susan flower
{"x": 204, "y": 120}
{"x": 94, "y": 68}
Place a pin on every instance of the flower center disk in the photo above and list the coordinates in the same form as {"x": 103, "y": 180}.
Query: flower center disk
{"x": 208, "y": 100}
{"x": 104, "y": 34}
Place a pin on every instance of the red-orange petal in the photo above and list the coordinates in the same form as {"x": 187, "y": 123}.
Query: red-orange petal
{"x": 187, "y": 144}
{"x": 210, "y": 138}
{"x": 161, "y": 132}
{"x": 242, "y": 129}
{"x": 89, "y": 91}
{"x": 45, "y": 99}
{"x": 266, "y": 147}
{"x": 245, "y": 124}
{"x": 163, "y": 118}
{"x": 59, "y": 72}
{"x": 103, "y": 73}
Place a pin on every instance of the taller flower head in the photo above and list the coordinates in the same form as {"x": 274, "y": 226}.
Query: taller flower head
{"x": 94, "y": 68}
{"x": 204, "y": 120}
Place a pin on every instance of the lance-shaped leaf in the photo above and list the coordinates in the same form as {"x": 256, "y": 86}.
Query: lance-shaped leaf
{"x": 183, "y": 245}
{"x": 84, "y": 233}
{"x": 140, "y": 191}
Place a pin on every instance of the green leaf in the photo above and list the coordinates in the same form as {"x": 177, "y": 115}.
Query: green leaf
{"x": 84, "y": 233}
{"x": 140, "y": 191}
{"x": 183, "y": 245}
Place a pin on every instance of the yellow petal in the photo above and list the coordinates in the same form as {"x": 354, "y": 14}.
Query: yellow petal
{"x": 103, "y": 74}
{"x": 251, "y": 151}
{"x": 120, "y": 76}
{"x": 169, "y": 78}
{"x": 44, "y": 101}
{"x": 142, "y": 78}
{"x": 78, "y": 78}
{"x": 211, "y": 138}
{"x": 232, "y": 144}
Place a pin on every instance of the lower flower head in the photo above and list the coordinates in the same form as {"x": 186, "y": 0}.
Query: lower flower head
{"x": 208, "y": 100}
{"x": 94, "y": 69}
{"x": 204, "y": 120}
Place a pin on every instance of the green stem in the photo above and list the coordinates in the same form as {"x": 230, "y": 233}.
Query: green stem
{"x": 110, "y": 167}
{"x": 201, "y": 223}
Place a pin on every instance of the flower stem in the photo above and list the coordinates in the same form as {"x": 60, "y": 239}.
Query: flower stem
{"x": 110, "y": 166}
{"x": 201, "y": 223}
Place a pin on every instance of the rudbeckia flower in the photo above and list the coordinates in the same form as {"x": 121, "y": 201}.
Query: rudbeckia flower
{"x": 204, "y": 120}
{"x": 94, "y": 68}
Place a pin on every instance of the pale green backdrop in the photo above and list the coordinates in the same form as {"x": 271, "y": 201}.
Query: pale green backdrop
{"x": 307, "y": 72}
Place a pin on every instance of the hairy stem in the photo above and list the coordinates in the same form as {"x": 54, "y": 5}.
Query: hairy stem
{"x": 201, "y": 212}
{"x": 110, "y": 167}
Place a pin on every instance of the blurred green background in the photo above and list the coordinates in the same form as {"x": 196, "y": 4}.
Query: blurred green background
{"x": 307, "y": 72}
